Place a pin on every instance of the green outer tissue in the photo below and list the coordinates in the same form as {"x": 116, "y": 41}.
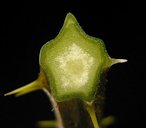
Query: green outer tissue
{"x": 73, "y": 62}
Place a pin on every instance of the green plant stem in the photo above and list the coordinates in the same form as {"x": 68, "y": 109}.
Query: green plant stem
{"x": 91, "y": 111}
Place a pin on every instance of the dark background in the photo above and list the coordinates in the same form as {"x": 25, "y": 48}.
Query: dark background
{"x": 26, "y": 26}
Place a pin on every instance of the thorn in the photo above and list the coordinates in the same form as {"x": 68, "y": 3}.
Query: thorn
{"x": 47, "y": 124}
{"x": 115, "y": 61}
{"x": 33, "y": 86}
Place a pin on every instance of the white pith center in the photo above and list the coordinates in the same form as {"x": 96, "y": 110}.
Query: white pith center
{"x": 74, "y": 65}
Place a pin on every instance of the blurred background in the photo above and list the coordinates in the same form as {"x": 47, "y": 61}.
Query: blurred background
{"x": 26, "y": 26}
